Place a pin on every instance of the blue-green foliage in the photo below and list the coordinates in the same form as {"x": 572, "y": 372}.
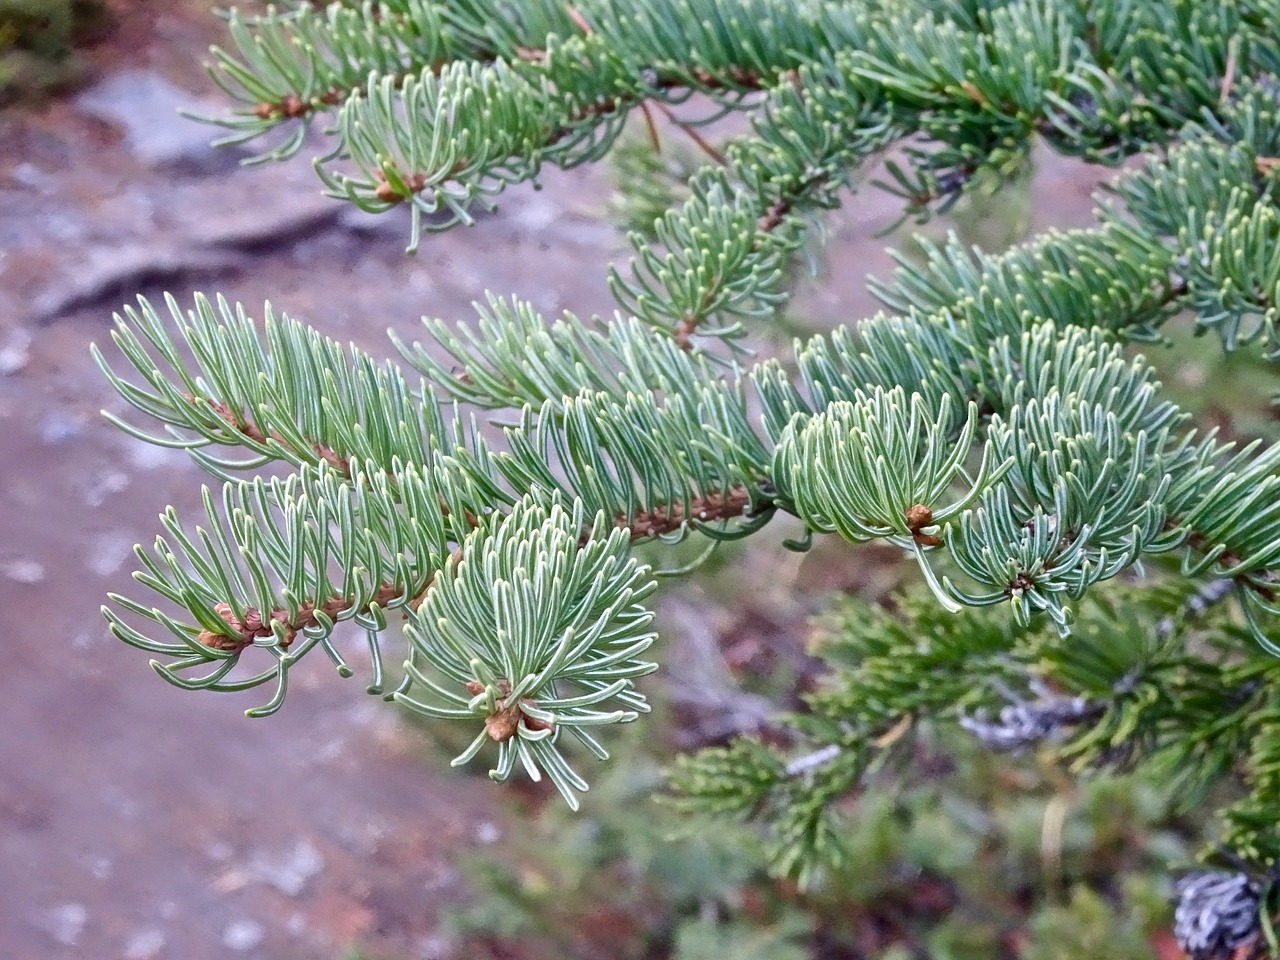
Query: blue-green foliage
{"x": 997, "y": 425}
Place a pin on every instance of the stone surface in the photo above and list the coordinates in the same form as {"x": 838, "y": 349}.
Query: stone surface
{"x": 287, "y": 219}
{"x": 145, "y": 944}
{"x": 66, "y": 922}
{"x": 114, "y": 273}
{"x": 242, "y": 935}
{"x": 148, "y": 109}
{"x": 14, "y": 352}
{"x": 289, "y": 872}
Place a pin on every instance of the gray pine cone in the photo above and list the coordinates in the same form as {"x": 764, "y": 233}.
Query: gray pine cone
{"x": 1217, "y": 914}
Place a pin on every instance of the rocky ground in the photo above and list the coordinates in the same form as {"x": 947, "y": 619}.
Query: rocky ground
{"x": 137, "y": 820}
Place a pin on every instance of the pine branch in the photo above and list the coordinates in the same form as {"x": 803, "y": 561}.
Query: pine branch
{"x": 512, "y": 357}
{"x": 665, "y": 519}
{"x": 293, "y": 547}
{"x": 253, "y": 434}
{"x": 251, "y": 624}
{"x": 534, "y": 656}
{"x": 574, "y": 430}
{"x": 282, "y": 392}
{"x": 254, "y": 626}
{"x": 289, "y": 66}
{"x": 998, "y": 429}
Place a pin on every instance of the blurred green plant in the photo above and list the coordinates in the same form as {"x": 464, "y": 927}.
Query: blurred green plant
{"x": 38, "y": 40}
{"x": 650, "y": 173}
{"x": 609, "y": 883}
{"x": 963, "y": 855}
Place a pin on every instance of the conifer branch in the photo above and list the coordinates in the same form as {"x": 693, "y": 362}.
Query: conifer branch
{"x": 253, "y": 434}
{"x": 254, "y": 626}
{"x": 282, "y": 392}
{"x": 995, "y": 427}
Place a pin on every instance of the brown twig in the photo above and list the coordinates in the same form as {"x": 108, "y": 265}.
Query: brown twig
{"x": 973, "y": 93}
{"x": 531, "y": 54}
{"x": 254, "y": 626}
{"x": 645, "y": 524}
{"x": 252, "y": 432}
{"x": 1229, "y": 72}
{"x": 688, "y": 324}
{"x": 667, "y": 519}
{"x": 652, "y": 127}
{"x": 691, "y": 133}
{"x": 578, "y": 19}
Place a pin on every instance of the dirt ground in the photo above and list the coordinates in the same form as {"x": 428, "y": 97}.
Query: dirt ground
{"x": 137, "y": 820}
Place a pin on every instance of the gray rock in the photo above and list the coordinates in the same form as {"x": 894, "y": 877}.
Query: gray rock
{"x": 33, "y": 178}
{"x": 290, "y": 217}
{"x": 145, "y": 107}
{"x": 393, "y": 224}
{"x": 15, "y": 352}
{"x": 57, "y": 428}
{"x": 116, "y": 273}
{"x": 242, "y": 935}
{"x": 290, "y": 872}
{"x": 146, "y": 944}
{"x": 22, "y": 570}
{"x": 66, "y": 922}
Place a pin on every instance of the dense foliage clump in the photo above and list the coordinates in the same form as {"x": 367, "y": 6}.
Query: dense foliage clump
{"x": 37, "y": 41}
{"x": 1097, "y": 575}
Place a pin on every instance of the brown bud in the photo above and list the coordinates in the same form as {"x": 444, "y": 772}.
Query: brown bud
{"x": 501, "y": 726}
{"x": 387, "y": 193}
{"x": 533, "y": 723}
{"x": 919, "y": 516}
{"x": 1021, "y": 583}
{"x": 475, "y": 687}
{"x": 684, "y": 331}
{"x": 265, "y": 111}
{"x": 216, "y": 641}
{"x": 293, "y": 106}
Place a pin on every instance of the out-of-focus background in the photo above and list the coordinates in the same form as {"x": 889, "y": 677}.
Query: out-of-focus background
{"x": 139, "y": 821}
